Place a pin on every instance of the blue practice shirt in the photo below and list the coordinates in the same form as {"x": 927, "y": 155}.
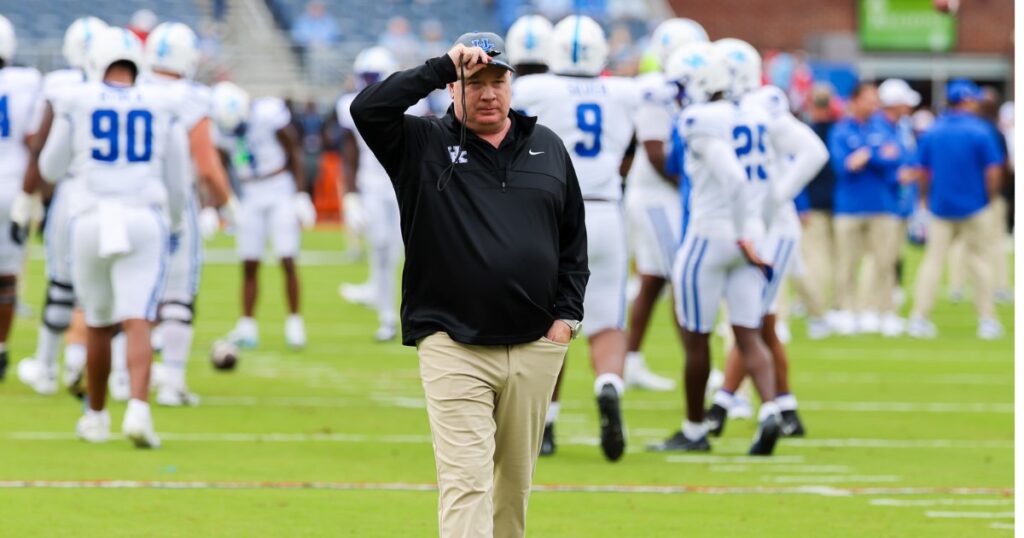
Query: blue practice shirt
{"x": 675, "y": 165}
{"x": 869, "y": 191}
{"x": 955, "y": 152}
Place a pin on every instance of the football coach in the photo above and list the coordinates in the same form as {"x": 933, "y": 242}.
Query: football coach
{"x": 495, "y": 270}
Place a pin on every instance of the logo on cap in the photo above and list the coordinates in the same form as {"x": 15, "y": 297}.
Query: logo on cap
{"x": 483, "y": 43}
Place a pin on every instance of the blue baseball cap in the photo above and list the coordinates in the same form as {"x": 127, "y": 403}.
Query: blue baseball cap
{"x": 492, "y": 44}
{"x": 960, "y": 90}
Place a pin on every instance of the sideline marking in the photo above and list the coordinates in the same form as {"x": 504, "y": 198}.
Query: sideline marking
{"x": 941, "y": 502}
{"x": 561, "y": 488}
{"x": 970, "y": 515}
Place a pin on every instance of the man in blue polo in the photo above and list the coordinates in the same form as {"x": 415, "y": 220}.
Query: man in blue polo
{"x": 865, "y": 157}
{"x": 961, "y": 173}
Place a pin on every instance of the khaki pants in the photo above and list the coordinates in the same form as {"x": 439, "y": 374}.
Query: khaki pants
{"x": 974, "y": 232}
{"x": 818, "y": 252}
{"x": 486, "y": 406}
{"x": 959, "y": 260}
{"x": 856, "y": 238}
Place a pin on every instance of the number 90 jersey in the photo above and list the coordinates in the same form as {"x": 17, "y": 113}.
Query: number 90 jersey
{"x": 119, "y": 137}
{"x": 594, "y": 119}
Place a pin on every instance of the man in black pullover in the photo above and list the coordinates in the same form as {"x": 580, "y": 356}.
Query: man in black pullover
{"x": 495, "y": 271}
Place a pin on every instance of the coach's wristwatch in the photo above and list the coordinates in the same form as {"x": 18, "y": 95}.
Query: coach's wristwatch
{"x": 574, "y": 326}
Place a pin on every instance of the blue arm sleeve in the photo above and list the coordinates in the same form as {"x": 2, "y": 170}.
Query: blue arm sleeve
{"x": 676, "y": 155}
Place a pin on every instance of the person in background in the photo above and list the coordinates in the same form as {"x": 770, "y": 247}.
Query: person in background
{"x": 817, "y": 247}
{"x": 432, "y": 39}
{"x": 400, "y": 40}
{"x": 989, "y": 105}
{"x": 314, "y": 29}
{"x": 142, "y": 23}
{"x": 962, "y": 171}
{"x": 898, "y": 102}
{"x": 865, "y": 156}
{"x": 310, "y": 126}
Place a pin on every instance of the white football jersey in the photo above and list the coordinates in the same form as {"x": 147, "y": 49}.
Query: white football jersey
{"x": 123, "y": 142}
{"x": 19, "y": 88}
{"x": 193, "y": 103}
{"x": 593, "y": 117}
{"x": 654, "y": 117}
{"x": 719, "y": 198}
{"x": 751, "y": 136}
{"x": 256, "y": 153}
{"x": 371, "y": 178}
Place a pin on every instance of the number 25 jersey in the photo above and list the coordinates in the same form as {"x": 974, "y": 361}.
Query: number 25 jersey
{"x": 594, "y": 118}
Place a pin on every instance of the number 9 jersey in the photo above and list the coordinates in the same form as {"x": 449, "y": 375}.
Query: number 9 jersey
{"x": 594, "y": 118}
{"x": 19, "y": 88}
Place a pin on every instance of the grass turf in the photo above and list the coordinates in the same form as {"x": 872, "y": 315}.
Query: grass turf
{"x": 882, "y": 415}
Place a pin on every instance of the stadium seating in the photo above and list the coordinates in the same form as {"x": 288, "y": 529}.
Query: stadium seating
{"x": 34, "y": 23}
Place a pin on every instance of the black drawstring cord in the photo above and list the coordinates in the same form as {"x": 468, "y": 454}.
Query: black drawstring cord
{"x": 446, "y": 178}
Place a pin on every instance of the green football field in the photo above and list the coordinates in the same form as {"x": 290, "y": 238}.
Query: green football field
{"x": 905, "y": 438}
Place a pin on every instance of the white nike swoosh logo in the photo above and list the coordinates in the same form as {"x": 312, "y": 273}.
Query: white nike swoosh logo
{"x": 535, "y": 152}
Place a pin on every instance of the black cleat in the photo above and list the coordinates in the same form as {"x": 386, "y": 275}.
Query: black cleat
{"x": 613, "y": 439}
{"x": 715, "y": 420}
{"x": 768, "y": 432}
{"x": 3, "y": 364}
{"x": 681, "y": 443}
{"x": 791, "y": 425}
{"x": 547, "y": 443}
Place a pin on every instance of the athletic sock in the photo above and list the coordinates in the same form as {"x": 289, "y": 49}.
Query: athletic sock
{"x": 724, "y": 398}
{"x": 552, "y": 415}
{"x": 119, "y": 353}
{"x": 177, "y": 343}
{"x": 634, "y": 358}
{"x": 606, "y": 378}
{"x": 767, "y": 409}
{"x": 46, "y": 347}
{"x": 74, "y": 356}
{"x": 694, "y": 430}
{"x": 786, "y": 402}
{"x": 138, "y": 406}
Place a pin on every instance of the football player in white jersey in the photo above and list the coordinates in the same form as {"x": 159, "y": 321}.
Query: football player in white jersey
{"x": 172, "y": 56}
{"x": 19, "y": 87}
{"x": 131, "y": 156}
{"x": 593, "y": 115}
{"x": 795, "y": 156}
{"x": 59, "y": 310}
{"x": 528, "y": 43}
{"x": 369, "y": 201}
{"x": 653, "y": 208}
{"x": 718, "y": 259}
{"x": 263, "y": 148}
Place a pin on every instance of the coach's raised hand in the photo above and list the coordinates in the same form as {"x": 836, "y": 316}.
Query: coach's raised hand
{"x": 472, "y": 58}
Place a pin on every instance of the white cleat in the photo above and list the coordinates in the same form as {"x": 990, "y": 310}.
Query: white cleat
{"x": 818, "y": 329}
{"x": 741, "y": 408}
{"x": 295, "y": 332}
{"x": 990, "y": 329}
{"x": 892, "y": 325}
{"x": 119, "y": 386}
{"x": 385, "y": 333}
{"x": 246, "y": 334}
{"x": 94, "y": 427}
{"x": 137, "y": 427}
{"x": 360, "y": 294}
{"x": 919, "y": 327}
{"x": 169, "y": 396}
{"x": 843, "y": 322}
{"x": 34, "y": 374}
{"x": 638, "y": 376}
{"x": 869, "y": 323}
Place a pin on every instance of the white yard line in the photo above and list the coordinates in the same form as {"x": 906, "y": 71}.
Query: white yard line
{"x": 969, "y": 515}
{"x": 1002, "y": 526}
{"x": 571, "y": 488}
{"x": 941, "y": 502}
{"x": 831, "y": 479}
{"x": 279, "y": 437}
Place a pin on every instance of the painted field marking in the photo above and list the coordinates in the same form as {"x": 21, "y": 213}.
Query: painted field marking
{"x": 279, "y": 437}
{"x": 969, "y": 515}
{"x": 1002, "y": 526}
{"x": 697, "y": 458}
{"x": 846, "y": 378}
{"x": 571, "y": 488}
{"x": 941, "y": 502}
{"x": 830, "y": 479}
